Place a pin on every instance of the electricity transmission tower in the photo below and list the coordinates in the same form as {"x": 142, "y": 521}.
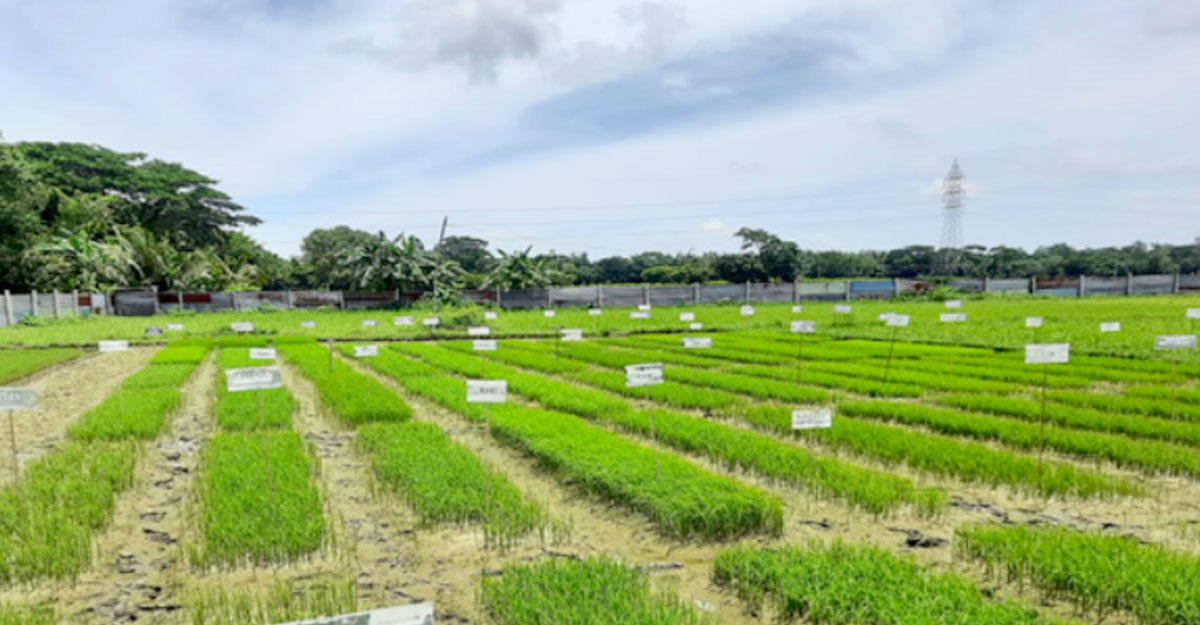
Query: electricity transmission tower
{"x": 952, "y": 237}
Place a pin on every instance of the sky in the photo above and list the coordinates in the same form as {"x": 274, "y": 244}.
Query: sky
{"x": 617, "y": 127}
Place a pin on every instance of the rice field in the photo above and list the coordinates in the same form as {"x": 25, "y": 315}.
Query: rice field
{"x": 956, "y": 483}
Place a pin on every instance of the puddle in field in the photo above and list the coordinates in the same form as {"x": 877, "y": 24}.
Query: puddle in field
{"x": 67, "y": 390}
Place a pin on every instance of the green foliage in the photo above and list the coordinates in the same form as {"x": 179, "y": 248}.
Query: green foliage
{"x": 840, "y": 584}
{"x": 158, "y": 376}
{"x": 445, "y": 483}
{"x": 252, "y": 513}
{"x": 1097, "y": 573}
{"x": 42, "y": 615}
{"x": 17, "y": 364}
{"x": 280, "y": 603}
{"x": 126, "y": 414}
{"x": 590, "y": 592}
{"x": 353, "y": 397}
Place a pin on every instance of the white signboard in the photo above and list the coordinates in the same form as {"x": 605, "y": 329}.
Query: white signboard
{"x": 479, "y": 331}
{"x": 841, "y": 309}
{"x": 1175, "y": 341}
{"x": 242, "y": 326}
{"x": 366, "y": 351}
{"x": 1047, "y": 353}
{"x": 898, "y": 321}
{"x": 308, "y": 324}
{"x": 154, "y": 331}
{"x": 549, "y": 313}
{"x": 262, "y": 353}
{"x": 639, "y": 314}
{"x": 403, "y": 321}
{"x": 487, "y": 391}
{"x": 431, "y": 322}
{"x": 695, "y": 325}
{"x": 595, "y": 312}
{"x": 747, "y": 311}
{"x": 797, "y": 309}
{"x": 253, "y": 379}
{"x": 370, "y": 323}
{"x": 643, "y": 306}
{"x": 113, "y": 346}
{"x": 884, "y": 316}
{"x": 1033, "y": 322}
{"x": 174, "y": 327}
{"x": 18, "y": 399}
{"x": 1110, "y": 326}
{"x": 415, "y": 614}
{"x": 1193, "y": 313}
{"x": 952, "y": 317}
{"x": 687, "y": 316}
{"x": 490, "y": 315}
{"x": 804, "y": 327}
{"x": 484, "y": 345}
{"x": 953, "y": 303}
{"x": 697, "y": 342}
{"x": 645, "y": 374}
{"x": 572, "y": 334}
{"x": 812, "y": 419}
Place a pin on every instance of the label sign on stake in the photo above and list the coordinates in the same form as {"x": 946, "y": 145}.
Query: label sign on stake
{"x": 953, "y": 303}
{"x": 841, "y": 309}
{"x": 174, "y": 327}
{"x": 415, "y": 614}
{"x": 253, "y": 379}
{"x": 572, "y": 334}
{"x": 1193, "y": 313}
{"x": 812, "y": 419}
{"x": 242, "y": 326}
{"x": 403, "y": 321}
{"x": 490, "y": 315}
{"x": 747, "y": 311}
{"x": 639, "y": 314}
{"x": 884, "y": 316}
{"x": 1033, "y": 322}
{"x": 18, "y": 399}
{"x": 643, "y": 306}
{"x": 431, "y": 322}
{"x": 898, "y": 321}
{"x": 797, "y": 309}
{"x": 952, "y": 317}
{"x": 1047, "y": 353}
{"x": 487, "y": 391}
{"x": 370, "y": 323}
{"x": 595, "y": 312}
{"x": 154, "y": 331}
{"x": 484, "y": 345}
{"x": 549, "y": 313}
{"x": 308, "y": 324}
{"x": 262, "y": 353}
{"x": 646, "y": 374}
{"x": 1110, "y": 326}
{"x": 687, "y": 316}
{"x": 479, "y": 331}
{"x": 695, "y": 325}
{"x": 803, "y": 327}
{"x": 697, "y": 342}
{"x": 366, "y": 351}
{"x": 112, "y": 346}
{"x": 1175, "y": 341}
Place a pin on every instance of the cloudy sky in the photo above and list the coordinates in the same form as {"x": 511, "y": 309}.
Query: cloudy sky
{"x": 617, "y": 126}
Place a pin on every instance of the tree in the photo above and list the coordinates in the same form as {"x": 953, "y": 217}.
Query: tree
{"x": 470, "y": 253}
{"x": 780, "y": 259}
{"x": 322, "y": 254}
{"x": 518, "y": 270}
{"x": 75, "y": 260}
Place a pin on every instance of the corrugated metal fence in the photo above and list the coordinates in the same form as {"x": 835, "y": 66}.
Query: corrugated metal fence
{"x": 148, "y": 302}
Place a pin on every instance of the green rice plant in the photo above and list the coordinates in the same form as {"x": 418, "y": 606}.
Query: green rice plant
{"x": 127, "y": 414}
{"x": 1183, "y": 395}
{"x": 248, "y": 410}
{"x": 355, "y": 398}
{"x": 1143, "y": 404}
{"x": 683, "y": 500}
{"x": 182, "y": 354}
{"x": 445, "y": 483}
{"x": 48, "y": 518}
{"x": 257, "y": 500}
{"x": 1098, "y": 573}
{"x": 19, "y": 363}
{"x": 840, "y": 584}
{"x": 159, "y": 376}
{"x": 870, "y": 490}
{"x": 1147, "y": 456}
{"x": 29, "y": 615}
{"x": 282, "y": 602}
{"x": 943, "y": 455}
{"x": 596, "y": 591}
{"x": 1079, "y": 418}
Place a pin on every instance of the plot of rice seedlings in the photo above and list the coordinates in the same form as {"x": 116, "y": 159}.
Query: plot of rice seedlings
{"x": 353, "y": 397}
{"x": 1097, "y": 573}
{"x": 159, "y": 376}
{"x": 259, "y": 504}
{"x": 48, "y": 518}
{"x": 42, "y": 615}
{"x": 191, "y": 353}
{"x": 445, "y": 483}
{"x": 128, "y": 414}
{"x": 281, "y": 603}
{"x": 595, "y": 591}
{"x": 19, "y": 363}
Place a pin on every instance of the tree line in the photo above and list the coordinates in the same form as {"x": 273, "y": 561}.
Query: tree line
{"x": 77, "y": 216}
